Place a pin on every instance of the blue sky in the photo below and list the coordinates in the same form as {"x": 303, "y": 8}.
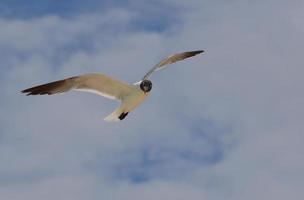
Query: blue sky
{"x": 153, "y": 14}
{"x": 226, "y": 124}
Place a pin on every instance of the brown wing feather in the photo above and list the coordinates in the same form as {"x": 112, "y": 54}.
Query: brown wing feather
{"x": 51, "y": 88}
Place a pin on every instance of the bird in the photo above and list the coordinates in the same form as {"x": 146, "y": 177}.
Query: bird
{"x": 130, "y": 95}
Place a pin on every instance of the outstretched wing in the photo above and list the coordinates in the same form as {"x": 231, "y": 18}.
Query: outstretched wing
{"x": 172, "y": 59}
{"x": 96, "y": 83}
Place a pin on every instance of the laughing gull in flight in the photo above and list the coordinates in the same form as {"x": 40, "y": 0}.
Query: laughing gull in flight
{"x": 130, "y": 95}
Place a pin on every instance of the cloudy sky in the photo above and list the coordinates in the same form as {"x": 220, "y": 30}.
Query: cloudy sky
{"x": 227, "y": 124}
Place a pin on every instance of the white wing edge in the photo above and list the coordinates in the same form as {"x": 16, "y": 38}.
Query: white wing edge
{"x": 97, "y": 92}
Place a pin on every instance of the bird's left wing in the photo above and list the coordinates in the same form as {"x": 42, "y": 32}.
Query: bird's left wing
{"x": 96, "y": 83}
{"x": 172, "y": 59}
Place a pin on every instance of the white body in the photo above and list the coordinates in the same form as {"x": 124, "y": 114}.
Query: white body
{"x": 129, "y": 103}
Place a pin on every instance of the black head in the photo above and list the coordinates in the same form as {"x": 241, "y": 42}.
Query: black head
{"x": 146, "y": 85}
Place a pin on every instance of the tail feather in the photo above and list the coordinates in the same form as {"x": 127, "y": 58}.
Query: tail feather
{"x": 117, "y": 115}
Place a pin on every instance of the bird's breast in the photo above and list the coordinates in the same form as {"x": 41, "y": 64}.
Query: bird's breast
{"x": 134, "y": 99}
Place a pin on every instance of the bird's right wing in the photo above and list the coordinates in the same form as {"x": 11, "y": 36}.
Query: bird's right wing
{"x": 96, "y": 83}
{"x": 170, "y": 60}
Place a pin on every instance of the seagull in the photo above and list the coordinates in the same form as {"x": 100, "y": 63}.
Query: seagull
{"x": 130, "y": 95}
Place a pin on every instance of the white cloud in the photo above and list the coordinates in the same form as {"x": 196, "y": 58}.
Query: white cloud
{"x": 242, "y": 98}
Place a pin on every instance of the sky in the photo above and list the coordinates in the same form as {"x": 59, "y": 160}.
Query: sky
{"x": 224, "y": 124}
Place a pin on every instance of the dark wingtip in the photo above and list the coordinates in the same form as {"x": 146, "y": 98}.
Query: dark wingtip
{"x": 33, "y": 91}
{"x": 48, "y": 88}
{"x": 199, "y": 51}
{"x": 189, "y": 54}
{"x": 26, "y": 92}
{"x": 29, "y": 91}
